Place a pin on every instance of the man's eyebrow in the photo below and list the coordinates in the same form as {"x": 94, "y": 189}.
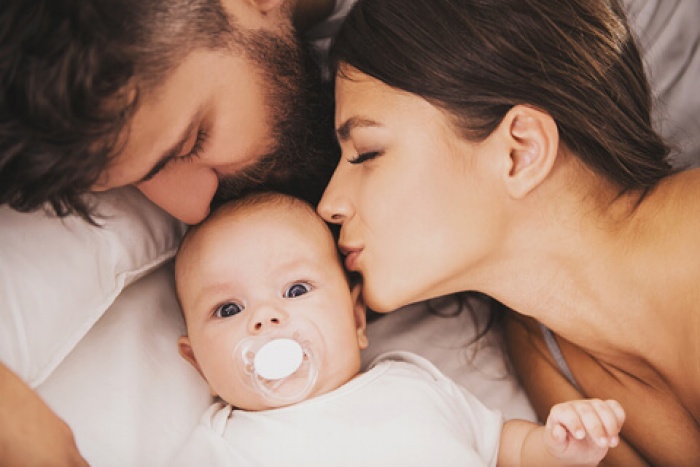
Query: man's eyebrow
{"x": 173, "y": 151}
{"x": 344, "y": 130}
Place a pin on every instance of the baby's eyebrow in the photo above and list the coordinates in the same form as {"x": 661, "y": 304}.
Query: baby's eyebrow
{"x": 344, "y": 130}
{"x": 210, "y": 293}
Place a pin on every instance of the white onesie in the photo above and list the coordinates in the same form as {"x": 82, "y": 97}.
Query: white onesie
{"x": 401, "y": 412}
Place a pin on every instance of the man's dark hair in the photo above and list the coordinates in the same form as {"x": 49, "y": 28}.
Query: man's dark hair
{"x": 71, "y": 72}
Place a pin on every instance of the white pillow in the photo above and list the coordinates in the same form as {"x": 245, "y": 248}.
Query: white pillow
{"x": 670, "y": 42}
{"x": 126, "y": 393}
{"x": 58, "y": 276}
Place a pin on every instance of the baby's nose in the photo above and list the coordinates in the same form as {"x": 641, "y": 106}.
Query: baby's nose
{"x": 266, "y": 318}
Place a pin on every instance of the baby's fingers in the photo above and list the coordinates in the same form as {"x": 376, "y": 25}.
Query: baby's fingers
{"x": 601, "y": 420}
{"x": 567, "y": 416}
{"x": 612, "y": 416}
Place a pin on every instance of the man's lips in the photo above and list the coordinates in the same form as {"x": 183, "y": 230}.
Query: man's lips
{"x": 351, "y": 256}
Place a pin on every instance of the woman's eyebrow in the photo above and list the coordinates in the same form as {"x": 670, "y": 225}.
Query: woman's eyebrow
{"x": 344, "y": 130}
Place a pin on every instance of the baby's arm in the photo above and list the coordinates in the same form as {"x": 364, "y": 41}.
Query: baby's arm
{"x": 577, "y": 433}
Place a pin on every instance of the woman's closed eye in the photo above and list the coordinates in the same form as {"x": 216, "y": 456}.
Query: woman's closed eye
{"x": 227, "y": 310}
{"x": 297, "y": 289}
{"x": 364, "y": 157}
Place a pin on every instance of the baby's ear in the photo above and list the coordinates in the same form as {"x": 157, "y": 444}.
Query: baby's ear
{"x": 360, "y": 311}
{"x": 186, "y": 352}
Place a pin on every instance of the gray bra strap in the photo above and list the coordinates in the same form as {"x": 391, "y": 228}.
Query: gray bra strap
{"x": 557, "y": 355}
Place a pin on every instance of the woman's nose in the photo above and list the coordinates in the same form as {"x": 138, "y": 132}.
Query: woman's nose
{"x": 332, "y": 208}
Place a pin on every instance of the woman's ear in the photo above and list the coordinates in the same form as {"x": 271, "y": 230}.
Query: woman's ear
{"x": 534, "y": 144}
{"x": 360, "y": 311}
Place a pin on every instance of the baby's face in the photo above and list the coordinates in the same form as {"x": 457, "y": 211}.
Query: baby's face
{"x": 256, "y": 272}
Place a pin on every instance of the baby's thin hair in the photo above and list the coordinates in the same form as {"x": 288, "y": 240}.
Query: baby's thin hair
{"x": 250, "y": 200}
{"x": 258, "y": 198}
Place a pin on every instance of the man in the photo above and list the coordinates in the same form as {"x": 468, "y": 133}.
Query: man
{"x": 188, "y": 100}
{"x": 177, "y": 98}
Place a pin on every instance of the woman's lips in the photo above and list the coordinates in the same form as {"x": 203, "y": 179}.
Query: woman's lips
{"x": 351, "y": 257}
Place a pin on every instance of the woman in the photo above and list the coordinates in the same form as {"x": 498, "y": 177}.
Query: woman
{"x": 506, "y": 147}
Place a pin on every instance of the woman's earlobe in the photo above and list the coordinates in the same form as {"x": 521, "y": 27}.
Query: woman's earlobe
{"x": 534, "y": 143}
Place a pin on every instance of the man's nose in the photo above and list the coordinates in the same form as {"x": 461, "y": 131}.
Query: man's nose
{"x": 185, "y": 192}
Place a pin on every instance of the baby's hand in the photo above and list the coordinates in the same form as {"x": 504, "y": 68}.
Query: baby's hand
{"x": 582, "y": 431}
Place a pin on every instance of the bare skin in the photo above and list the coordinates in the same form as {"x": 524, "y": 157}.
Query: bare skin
{"x": 32, "y": 434}
{"x": 646, "y": 352}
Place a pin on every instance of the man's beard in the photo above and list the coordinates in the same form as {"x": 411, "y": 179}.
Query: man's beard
{"x": 300, "y": 113}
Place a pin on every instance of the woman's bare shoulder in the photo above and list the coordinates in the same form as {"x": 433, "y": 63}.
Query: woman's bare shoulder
{"x": 654, "y": 405}
{"x": 677, "y": 259}
{"x": 684, "y": 189}
{"x": 671, "y": 227}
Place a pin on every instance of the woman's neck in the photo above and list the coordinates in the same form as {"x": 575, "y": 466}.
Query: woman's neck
{"x": 578, "y": 254}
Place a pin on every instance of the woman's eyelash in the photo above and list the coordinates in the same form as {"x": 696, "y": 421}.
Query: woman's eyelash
{"x": 365, "y": 156}
{"x": 197, "y": 147}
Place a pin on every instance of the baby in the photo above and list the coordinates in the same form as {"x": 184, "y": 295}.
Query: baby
{"x": 276, "y": 327}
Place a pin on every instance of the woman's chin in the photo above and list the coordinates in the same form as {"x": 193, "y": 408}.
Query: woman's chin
{"x": 382, "y": 302}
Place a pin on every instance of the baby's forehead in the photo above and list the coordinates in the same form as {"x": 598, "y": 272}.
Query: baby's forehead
{"x": 260, "y": 234}
{"x": 271, "y": 216}
{"x": 290, "y": 212}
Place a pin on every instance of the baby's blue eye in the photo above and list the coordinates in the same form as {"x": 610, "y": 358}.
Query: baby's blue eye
{"x": 296, "y": 290}
{"x": 228, "y": 309}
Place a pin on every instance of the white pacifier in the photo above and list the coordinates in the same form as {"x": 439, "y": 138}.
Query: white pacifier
{"x": 282, "y": 363}
{"x": 278, "y": 359}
